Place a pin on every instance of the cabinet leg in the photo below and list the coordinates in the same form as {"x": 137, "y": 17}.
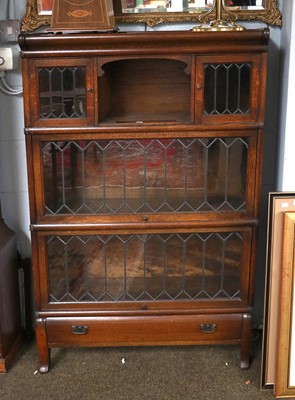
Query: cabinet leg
{"x": 246, "y": 340}
{"x": 44, "y": 351}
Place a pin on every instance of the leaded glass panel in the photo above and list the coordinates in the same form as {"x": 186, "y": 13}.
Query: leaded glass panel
{"x": 62, "y": 92}
{"x": 145, "y": 176}
{"x": 145, "y": 267}
{"x": 227, "y": 89}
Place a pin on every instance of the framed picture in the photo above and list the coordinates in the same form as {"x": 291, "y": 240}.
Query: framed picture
{"x": 278, "y": 204}
{"x": 285, "y": 359}
{"x": 82, "y": 15}
{"x": 39, "y": 13}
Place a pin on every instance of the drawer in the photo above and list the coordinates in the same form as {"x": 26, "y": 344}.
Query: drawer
{"x": 144, "y": 330}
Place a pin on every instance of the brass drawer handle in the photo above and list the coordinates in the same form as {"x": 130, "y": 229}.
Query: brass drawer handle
{"x": 208, "y": 328}
{"x": 79, "y": 329}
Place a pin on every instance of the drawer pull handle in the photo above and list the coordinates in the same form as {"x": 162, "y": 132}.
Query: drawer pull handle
{"x": 79, "y": 329}
{"x": 208, "y": 328}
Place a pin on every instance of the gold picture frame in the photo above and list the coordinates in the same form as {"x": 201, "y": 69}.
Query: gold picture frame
{"x": 278, "y": 204}
{"x": 37, "y": 16}
{"x": 285, "y": 354}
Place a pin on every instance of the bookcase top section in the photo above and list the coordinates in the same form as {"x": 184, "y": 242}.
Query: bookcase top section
{"x": 152, "y": 42}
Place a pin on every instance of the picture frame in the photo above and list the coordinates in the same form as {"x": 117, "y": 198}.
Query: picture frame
{"x": 285, "y": 353}
{"x": 82, "y": 15}
{"x": 38, "y": 15}
{"x": 278, "y": 204}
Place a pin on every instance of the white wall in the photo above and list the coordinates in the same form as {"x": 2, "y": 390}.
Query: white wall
{"x": 12, "y": 9}
{"x": 13, "y": 179}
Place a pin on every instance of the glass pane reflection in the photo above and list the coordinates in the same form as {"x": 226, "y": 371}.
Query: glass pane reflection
{"x": 227, "y": 89}
{"x": 62, "y": 92}
{"x": 145, "y": 6}
{"x": 145, "y": 267}
{"x": 145, "y": 176}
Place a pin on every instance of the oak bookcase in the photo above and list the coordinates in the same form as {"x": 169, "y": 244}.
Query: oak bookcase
{"x": 144, "y": 153}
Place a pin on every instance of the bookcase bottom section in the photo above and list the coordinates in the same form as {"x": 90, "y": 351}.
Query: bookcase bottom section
{"x": 143, "y": 331}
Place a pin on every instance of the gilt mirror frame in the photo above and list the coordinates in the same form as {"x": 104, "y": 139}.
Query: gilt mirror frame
{"x": 270, "y": 15}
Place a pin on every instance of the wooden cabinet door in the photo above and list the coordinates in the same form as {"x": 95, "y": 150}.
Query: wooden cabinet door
{"x": 228, "y": 90}
{"x": 62, "y": 93}
{"x": 180, "y": 179}
{"x": 114, "y": 268}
